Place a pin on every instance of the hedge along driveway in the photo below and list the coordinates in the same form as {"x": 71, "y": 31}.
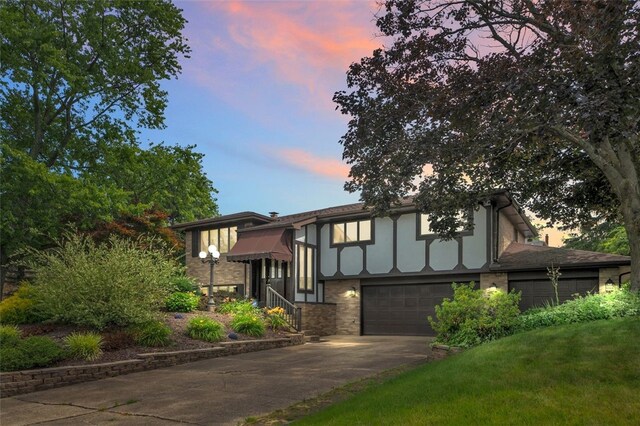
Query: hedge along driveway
{"x": 222, "y": 390}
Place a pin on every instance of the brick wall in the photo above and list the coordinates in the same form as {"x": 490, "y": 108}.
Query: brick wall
{"x": 613, "y": 273}
{"x": 500, "y": 279}
{"x": 225, "y": 273}
{"x": 347, "y": 307}
{"x": 20, "y": 382}
{"x": 507, "y": 233}
{"x": 318, "y": 318}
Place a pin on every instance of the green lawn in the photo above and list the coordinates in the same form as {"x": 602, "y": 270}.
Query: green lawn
{"x": 586, "y": 374}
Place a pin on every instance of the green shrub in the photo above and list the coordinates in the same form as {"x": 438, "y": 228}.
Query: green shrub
{"x": 87, "y": 346}
{"x": 152, "y": 333}
{"x": 32, "y": 352}
{"x": 182, "y": 302}
{"x": 119, "y": 282}
{"x": 276, "y": 319}
{"x": 248, "y": 323}
{"x": 619, "y": 303}
{"x": 475, "y": 316}
{"x": 20, "y": 307}
{"x": 9, "y": 335}
{"x": 204, "y": 328}
{"x": 184, "y": 284}
{"x": 237, "y": 307}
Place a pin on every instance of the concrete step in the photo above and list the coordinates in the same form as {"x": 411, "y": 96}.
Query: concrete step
{"x": 311, "y": 338}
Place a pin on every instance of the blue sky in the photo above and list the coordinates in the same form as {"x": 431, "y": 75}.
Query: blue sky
{"x": 255, "y": 98}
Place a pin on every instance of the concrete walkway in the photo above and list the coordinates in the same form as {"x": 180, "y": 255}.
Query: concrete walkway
{"x": 216, "y": 391}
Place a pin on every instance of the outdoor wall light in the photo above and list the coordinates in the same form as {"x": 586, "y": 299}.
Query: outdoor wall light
{"x": 353, "y": 292}
{"x": 212, "y": 257}
{"x": 608, "y": 286}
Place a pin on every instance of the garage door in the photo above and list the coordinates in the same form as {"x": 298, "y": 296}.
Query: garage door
{"x": 401, "y": 309}
{"x": 537, "y": 292}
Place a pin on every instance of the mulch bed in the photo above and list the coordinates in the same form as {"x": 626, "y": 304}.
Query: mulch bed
{"x": 119, "y": 346}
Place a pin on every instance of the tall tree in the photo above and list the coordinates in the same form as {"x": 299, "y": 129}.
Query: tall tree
{"x": 541, "y": 97}
{"x": 77, "y": 79}
{"x": 607, "y": 237}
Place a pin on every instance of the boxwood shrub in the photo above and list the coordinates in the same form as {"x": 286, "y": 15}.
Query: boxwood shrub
{"x": 32, "y": 352}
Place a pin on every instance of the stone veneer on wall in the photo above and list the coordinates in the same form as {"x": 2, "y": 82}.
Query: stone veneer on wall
{"x": 500, "y": 279}
{"x": 226, "y": 273}
{"x": 318, "y": 318}
{"x": 347, "y": 307}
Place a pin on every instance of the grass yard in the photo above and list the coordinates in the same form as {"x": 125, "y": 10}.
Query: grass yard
{"x": 587, "y": 374}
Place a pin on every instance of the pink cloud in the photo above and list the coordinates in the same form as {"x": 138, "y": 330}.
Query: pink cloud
{"x": 321, "y": 166}
{"x": 306, "y": 46}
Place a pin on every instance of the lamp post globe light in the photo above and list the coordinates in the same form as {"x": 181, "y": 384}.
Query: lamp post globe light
{"x": 212, "y": 256}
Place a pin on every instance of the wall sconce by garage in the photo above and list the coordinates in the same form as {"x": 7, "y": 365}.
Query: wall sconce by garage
{"x": 212, "y": 257}
{"x": 608, "y": 286}
{"x": 353, "y": 292}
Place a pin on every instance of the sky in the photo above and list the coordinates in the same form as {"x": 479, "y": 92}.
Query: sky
{"x": 255, "y": 97}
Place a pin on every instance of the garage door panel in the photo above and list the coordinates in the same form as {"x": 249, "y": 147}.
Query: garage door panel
{"x": 539, "y": 292}
{"x": 401, "y": 309}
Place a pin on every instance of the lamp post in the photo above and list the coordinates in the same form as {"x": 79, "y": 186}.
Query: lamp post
{"x": 213, "y": 257}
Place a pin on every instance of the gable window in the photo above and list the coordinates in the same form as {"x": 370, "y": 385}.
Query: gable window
{"x": 351, "y": 232}
{"x": 224, "y": 239}
{"x": 425, "y": 225}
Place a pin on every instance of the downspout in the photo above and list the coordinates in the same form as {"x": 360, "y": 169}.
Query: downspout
{"x": 495, "y": 258}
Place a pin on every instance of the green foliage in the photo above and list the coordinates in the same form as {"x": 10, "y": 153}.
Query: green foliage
{"x": 204, "y": 328}
{"x": 185, "y": 284}
{"x": 86, "y": 346}
{"x": 182, "y": 302}
{"x": 238, "y": 306}
{"x": 275, "y": 318}
{"x": 20, "y": 307}
{"x": 618, "y": 303}
{"x": 115, "y": 283}
{"x": 606, "y": 237}
{"x": 9, "y": 335}
{"x": 152, "y": 334}
{"x": 77, "y": 81}
{"x": 475, "y": 316}
{"x": 32, "y": 352}
{"x": 248, "y": 323}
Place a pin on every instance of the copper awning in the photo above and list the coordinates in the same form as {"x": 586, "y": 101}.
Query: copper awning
{"x": 272, "y": 243}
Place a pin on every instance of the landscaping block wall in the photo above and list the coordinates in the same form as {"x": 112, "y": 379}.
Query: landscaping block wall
{"x": 347, "y": 306}
{"x": 20, "y": 382}
{"x": 226, "y": 273}
{"x": 318, "y": 318}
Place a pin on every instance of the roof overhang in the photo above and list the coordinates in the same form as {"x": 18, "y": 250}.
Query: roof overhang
{"x": 270, "y": 243}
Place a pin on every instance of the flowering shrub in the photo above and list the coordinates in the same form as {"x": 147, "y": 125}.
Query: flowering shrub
{"x": 204, "y": 328}
{"x": 275, "y": 318}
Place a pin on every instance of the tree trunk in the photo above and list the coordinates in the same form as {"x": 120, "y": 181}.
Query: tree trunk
{"x": 633, "y": 232}
{"x": 630, "y": 209}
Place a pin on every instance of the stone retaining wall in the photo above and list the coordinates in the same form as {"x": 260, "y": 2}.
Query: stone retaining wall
{"x": 20, "y": 382}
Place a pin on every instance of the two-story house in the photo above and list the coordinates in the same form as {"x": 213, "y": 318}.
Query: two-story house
{"x": 351, "y": 273}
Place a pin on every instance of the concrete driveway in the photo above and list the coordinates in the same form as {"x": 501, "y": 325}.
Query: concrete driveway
{"x": 217, "y": 391}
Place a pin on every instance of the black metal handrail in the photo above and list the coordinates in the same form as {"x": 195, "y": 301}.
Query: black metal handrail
{"x": 292, "y": 314}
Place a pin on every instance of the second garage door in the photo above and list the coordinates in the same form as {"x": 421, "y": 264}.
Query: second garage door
{"x": 401, "y": 309}
{"x": 537, "y": 292}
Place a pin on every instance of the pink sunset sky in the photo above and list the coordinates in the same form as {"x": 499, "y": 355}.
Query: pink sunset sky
{"x": 256, "y": 98}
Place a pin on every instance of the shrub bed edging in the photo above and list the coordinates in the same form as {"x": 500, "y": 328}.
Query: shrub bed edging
{"x": 26, "y": 381}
